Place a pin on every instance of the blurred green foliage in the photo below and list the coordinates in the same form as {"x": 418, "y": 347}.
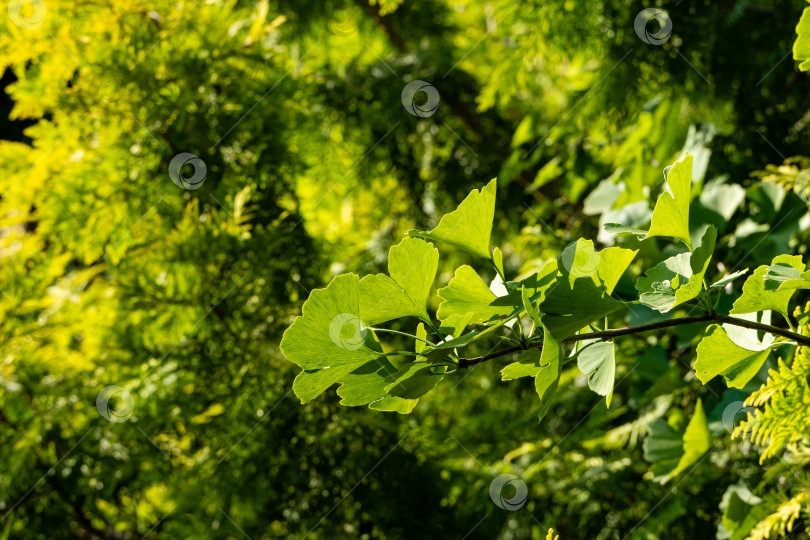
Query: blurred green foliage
{"x": 113, "y": 275}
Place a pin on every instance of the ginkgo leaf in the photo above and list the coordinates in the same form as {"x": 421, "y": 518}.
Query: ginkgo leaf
{"x": 616, "y": 228}
{"x": 412, "y": 268}
{"x": 469, "y": 226}
{"x": 367, "y": 383}
{"x": 547, "y": 379}
{"x": 577, "y": 297}
{"x": 468, "y": 294}
{"x": 677, "y": 279}
{"x": 329, "y": 333}
{"x": 672, "y": 453}
{"x": 613, "y": 262}
{"x": 598, "y": 361}
{"x": 497, "y": 260}
{"x": 671, "y": 213}
{"x": 720, "y": 283}
{"x": 786, "y": 277}
{"x": 527, "y": 365}
{"x": 394, "y": 404}
{"x": 360, "y": 384}
{"x": 413, "y": 380}
{"x": 529, "y": 307}
{"x": 738, "y": 362}
{"x": 657, "y": 288}
{"x": 756, "y": 295}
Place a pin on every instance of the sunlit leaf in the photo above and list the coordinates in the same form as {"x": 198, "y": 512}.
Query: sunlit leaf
{"x": 756, "y": 294}
{"x": 412, "y": 267}
{"x": 547, "y": 379}
{"x": 671, "y": 212}
{"x": 470, "y": 225}
{"x": 468, "y": 294}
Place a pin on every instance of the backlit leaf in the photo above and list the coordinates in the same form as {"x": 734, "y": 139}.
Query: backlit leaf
{"x": 470, "y": 225}
{"x": 671, "y": 213}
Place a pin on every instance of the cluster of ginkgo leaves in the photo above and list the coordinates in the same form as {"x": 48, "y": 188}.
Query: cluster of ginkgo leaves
{"x": 555, "y": 316}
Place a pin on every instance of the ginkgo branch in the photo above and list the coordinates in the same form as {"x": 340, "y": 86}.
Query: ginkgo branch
{"x": 619, "y": 332}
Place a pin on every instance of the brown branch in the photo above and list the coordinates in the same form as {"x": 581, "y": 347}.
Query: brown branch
{"x": 618, "y": 332}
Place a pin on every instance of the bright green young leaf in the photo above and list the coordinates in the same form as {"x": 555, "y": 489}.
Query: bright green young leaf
{"x": 330, "y": 332}
{"x": 672, "y": 453}
{"x": 470, "y": 225}
{"x": 613, "y": 262}
{"x": 719, "y": 284}
{"x": 412, "y": 267}
{"x": 413, "y": 380}
{"x": 497, "y": 260}
{"x": 738, "y": 359}
{"x": 359, "y": 385}
{"x": 616, "y": 228}
{"x": 679, "y": 278}
{"x": 527, "y": 365}
{"x": 671, "y": 213}
{"x": 658, "y": 287}
{"x": 579, "y": 260}
{"x": 394, "y": 404}
{"x": 537, "y": 285}
{"x": 455, "y": 324}
{"x": 578, "y": 296}
{"x": 421, "y": 334}
{"x": 598, "y": 361}
{"x": 801, "y": 47}
{"x": 547, "y": 379}
{"x": 366, "y": 383}
{"x": 756, "y": 295}
{"x": 467, "y": 293}
{"x": 529, "y": 307}
{"x": 785, "y": 277}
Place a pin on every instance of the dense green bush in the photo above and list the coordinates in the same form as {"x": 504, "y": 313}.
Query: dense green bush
{"x": 171, "y": 279}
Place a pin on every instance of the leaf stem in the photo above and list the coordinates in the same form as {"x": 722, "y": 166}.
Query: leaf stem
{"x": 401, "y": 334}
{"x": 618, "y": 332}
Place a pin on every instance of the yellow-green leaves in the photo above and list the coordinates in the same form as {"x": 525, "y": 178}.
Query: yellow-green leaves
{"x": 801, "y": 48}
{"x": 329, "y": 333}
{"x": 470, "y": 225}
{"x": 333, "y": 345}
{"x": 579, "y": 296}
{"x": 547, "y": 379}
{"x": 677, "y": 279}
{"x": 412, "y": 267}
{"x": 759, "y": 295}
{"x": 468, "y": 294}
{"x": 786, "y": 277}
{"x": 671, "y": 214}
{"x": 598, "y": 361}
{"x": 671, "y": 452}
{"x": 733, "y": 352}
{"x": 613, "y": 261}
{"x": 527, "y": 365}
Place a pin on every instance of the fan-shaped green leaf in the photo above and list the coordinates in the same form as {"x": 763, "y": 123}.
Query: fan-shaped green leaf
{"x": 759, "y": 295}
{"x": 467, "y": 293}
{"x": 598, "y": 361}
{"x": 470, "y": 225}
{"x": 671, "y": 213}
{"x": 412, "y": 267}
